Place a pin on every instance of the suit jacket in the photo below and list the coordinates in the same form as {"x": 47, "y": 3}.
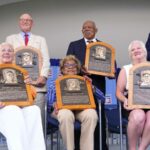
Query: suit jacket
{"x": 148, "y": 47}
{"x": 37, "y": 42}
{"x": 78, "y": 49}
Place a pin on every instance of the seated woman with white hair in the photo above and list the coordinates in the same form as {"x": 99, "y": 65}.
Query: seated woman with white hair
{"x": 21, "y": 126}
{"x": 138, "y": 129}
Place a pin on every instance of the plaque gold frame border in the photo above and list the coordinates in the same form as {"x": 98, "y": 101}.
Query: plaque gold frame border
{"x": 30, "y": 99}
{"x": 112, "y": 72}
{"x": 130, "y": 92}
{"x": 74, "y": 107}
{"x": 21, "y": 48}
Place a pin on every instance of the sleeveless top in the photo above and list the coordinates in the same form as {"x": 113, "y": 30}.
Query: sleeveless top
{"x": 127, "y": 68}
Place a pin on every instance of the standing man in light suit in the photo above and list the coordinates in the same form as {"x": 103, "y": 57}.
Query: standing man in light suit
{"x": 25, "y": 37}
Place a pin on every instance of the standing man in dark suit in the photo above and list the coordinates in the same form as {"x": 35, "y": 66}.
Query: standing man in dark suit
{"x": 78, "y": 48}
{"x": 148, "y": 47}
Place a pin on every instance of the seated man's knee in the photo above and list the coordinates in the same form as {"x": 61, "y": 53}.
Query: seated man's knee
{"x": 66, "y": 115}
{"x": 91, "y": 114}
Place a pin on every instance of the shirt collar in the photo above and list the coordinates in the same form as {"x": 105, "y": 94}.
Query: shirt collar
{"x": 23, "y": 33}
{"x": 94, "y": 40}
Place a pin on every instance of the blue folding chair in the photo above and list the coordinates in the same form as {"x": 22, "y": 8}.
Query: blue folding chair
{"x": 52, "y": 124}
{"x": 3, "y": 143}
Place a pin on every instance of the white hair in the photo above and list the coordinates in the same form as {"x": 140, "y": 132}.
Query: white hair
{"x": 141, "y": 44}
{"x": 26, "y": 14}
{"x": 4, "y": 44}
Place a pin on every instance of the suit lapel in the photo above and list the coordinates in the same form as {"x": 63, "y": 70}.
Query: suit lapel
{"x": 31, "y": 39}
{"x": 20, "y": 39}
{"x": 82, "y": 50}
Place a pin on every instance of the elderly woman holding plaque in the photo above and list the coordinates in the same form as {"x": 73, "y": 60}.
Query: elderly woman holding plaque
{"x": 66, "y": 117}
{"x": 21, "y": 126}
{"x": 138, "y": 128}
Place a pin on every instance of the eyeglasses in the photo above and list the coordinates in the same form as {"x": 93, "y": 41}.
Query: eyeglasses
{"x": 7, "y": 50}
{"x": 70, "y": 65}
{"x": 26, "y": 20}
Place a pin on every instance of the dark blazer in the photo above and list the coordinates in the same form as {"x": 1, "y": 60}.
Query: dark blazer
{"x": 78, "y": 49}
{"x": 148, "y": 47}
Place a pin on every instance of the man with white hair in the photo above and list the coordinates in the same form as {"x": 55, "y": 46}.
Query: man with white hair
{"x": 26, "y": 38}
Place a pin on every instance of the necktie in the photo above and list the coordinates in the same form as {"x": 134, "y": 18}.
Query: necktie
{"x": 26, "y": 39}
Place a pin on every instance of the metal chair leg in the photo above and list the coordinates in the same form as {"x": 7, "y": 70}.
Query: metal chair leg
{"x": 52, "y": 141}
{"x": 121, "y": 133}
{"x": 100, "y": 126}
{"x": 127, "y": 142}
{"x": 58, "y": 136}
{"x": 45, "y": 123}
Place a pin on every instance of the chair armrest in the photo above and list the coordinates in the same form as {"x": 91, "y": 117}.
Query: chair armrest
{"x": 99, "y": 95}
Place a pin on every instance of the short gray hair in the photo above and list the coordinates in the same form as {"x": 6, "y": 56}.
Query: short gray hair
{"x": 67, "y": 58}
{"x": 142, "y": 45}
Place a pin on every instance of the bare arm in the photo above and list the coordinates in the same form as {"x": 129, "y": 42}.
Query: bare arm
{"x": 121, "y": 86}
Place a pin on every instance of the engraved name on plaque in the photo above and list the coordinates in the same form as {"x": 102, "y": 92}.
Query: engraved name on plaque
{"x": 139, "y": 86}
{"x": 100, "y": 59}
{"x": 13, "y": 90}
{"x": 30, "y": 59}
{"x": 73, "y": 92}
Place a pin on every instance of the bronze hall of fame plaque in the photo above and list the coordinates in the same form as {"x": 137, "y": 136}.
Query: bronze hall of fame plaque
{"x": 30, "y": 59}
{"x": 13, "y": 90}
{"x": 139, "y": 86}
{"x": 100, "y": 59}
{"x": 74, "y": 93}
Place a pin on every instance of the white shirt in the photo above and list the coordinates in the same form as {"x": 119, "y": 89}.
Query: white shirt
{"x": 86, "y": 40}
{"x": 127, "y": 68}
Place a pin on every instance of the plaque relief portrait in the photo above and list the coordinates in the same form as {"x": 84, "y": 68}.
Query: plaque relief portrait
{"x": 9, "y": 76}
{"x": 30, "y": 59}
{"x": 145, "y": 79}
{"x": 73, "y": 85}
{"x": 100, "y": 53}
{"x": 27, "y": 59}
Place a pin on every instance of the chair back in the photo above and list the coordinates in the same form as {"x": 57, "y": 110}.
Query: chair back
{"x": 52, "y": 124}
